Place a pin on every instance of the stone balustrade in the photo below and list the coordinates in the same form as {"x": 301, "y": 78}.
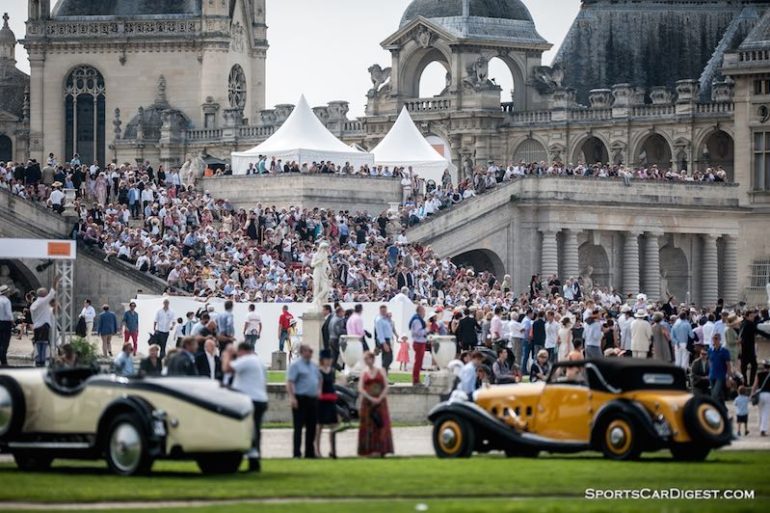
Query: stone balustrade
{"x": 204, "y": 134}
{"x": 428, "y": 104}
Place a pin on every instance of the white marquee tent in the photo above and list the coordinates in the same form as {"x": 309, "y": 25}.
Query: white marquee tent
{"x": 301, "y": 138}
{"x": 405, "y": 146}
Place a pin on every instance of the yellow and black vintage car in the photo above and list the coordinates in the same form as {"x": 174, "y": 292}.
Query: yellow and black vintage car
{"x": 619, "y": 406}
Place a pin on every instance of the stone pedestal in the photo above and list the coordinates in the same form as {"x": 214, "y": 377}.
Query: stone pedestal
{"x": 278, "y": 361}
{"x": 311, "y": 332}
{"x": 440, "y": 381}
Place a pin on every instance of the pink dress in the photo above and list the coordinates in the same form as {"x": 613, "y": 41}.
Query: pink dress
{"x": 403, "y": 352}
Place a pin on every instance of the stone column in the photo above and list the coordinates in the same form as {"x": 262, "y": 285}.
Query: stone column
{"x": 709, "y": 272}
{"x": 549, "y": 256}
{"x": 37, "y": 107}
{"x": 730, "y": 270}
{"x": 631, "y": 263}
{"x": 571, "y": 258}
{"x": 652, "y": 266}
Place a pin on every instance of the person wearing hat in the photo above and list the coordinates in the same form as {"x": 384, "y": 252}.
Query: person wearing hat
{"x": 624, "y": 325}
{"x": 641, "y": 334}
{"x": 6, "y": 323}
{"x": 56, "y": 198}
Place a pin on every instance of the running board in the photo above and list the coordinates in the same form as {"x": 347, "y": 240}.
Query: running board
{"x": 50, "y": 445}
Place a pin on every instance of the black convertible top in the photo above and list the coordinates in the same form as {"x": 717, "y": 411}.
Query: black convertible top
{"x": 624, "y": 374}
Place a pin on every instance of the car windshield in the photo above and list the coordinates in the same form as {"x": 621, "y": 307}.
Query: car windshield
{"x": 568, "y": 375}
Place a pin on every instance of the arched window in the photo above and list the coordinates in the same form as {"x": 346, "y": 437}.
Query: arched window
{"x": 236, "y": 88}
{"x": 84, "y": 107}
{"x": 435, "y": 80}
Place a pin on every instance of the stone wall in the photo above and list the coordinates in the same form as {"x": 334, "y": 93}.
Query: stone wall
{"x": 333, "y": 192}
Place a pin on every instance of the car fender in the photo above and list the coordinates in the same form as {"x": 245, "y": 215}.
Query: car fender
{"x": 140, "y": 407}
{"x": 631, "y": 408}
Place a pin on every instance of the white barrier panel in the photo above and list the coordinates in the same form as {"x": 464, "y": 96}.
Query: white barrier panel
{"x": 38, "y": 249}
{"x": 269, "y": 312}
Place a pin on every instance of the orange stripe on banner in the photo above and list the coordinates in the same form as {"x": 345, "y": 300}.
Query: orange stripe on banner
{"x": 60, "y": 249}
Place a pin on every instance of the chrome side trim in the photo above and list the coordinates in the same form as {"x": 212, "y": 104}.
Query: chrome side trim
{"x": 49, "y": 445}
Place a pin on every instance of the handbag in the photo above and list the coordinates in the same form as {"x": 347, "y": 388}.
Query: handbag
{"x": 80, "y": 328}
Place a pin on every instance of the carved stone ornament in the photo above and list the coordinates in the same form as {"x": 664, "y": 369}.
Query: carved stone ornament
{"x": 424, "y": 37}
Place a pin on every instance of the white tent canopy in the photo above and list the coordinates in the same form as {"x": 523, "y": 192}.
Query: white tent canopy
{"x": 405, "y": 146}
{"x": 304, "y": 139}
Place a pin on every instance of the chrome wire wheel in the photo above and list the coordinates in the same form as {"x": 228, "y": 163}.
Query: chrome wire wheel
{"x": 126, "y": 448}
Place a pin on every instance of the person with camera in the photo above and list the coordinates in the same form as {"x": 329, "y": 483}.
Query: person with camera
{"x": 249, "y": 377}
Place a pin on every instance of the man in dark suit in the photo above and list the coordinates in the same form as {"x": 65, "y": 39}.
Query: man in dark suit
{"x": 467, "y": 331}
{"x": 404, "y": 278}
{"x": 325, "y": 334}
{"x": 207, "y": 362}
{"x": 183, "y": 362}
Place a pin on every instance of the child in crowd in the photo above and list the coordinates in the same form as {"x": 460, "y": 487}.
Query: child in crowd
{"x": 403, "y": 353}
{"x": 742, "y": 409}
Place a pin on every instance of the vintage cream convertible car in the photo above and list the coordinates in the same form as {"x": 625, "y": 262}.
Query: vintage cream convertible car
{"x": 131, "y": 422}
{"x": 619, "y": 406}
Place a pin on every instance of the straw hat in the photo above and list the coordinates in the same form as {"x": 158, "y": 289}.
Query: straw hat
{"x": 640, "y": 314}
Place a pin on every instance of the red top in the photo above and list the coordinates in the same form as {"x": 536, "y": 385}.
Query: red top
{"x": 284, "y": 321}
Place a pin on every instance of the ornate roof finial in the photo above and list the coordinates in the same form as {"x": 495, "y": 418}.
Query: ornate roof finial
{"x": 160, "y": 96}
{"x": 5, "y": 20}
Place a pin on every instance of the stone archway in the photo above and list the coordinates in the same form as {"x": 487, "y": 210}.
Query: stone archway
{"x": 591, "y": 151}
{"x": 530, "y": 150}
{"x": 654, "y": 150}
{"x": 481, "y": 260}
{"x": 18, "y": 276}
{"x": 415, "y": 65}
{"x": 593, "y": 256}
{"x": 717, "y": 150}
{"x": 6, "y": 148}
{"x": 675, "y": 272}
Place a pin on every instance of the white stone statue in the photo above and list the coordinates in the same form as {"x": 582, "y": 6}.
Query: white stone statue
{"x": 322, "y": 282}
{"x": 192, "y": 170}
{"x": 664, "y": 292}
{"x": 5, "y": 279}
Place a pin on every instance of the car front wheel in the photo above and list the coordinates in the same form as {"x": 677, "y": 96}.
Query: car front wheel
{"x": 126, "y": 446}
{"x": 220, "y": 463}
{"x": 453, "y": 437}
{"x": 620, "y": 440}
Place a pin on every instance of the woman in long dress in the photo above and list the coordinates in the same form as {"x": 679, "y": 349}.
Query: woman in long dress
{"x": 661, "y": 348}
{"x": 100, "y": 189}
{"x": 375, "y": 438}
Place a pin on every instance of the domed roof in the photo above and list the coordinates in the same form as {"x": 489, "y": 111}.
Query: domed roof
{"x": 7, "y": 37}
{"x": 126, "y": 8}
{"x": 500, "y": 9}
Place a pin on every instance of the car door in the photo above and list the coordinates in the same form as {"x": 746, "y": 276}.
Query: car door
{"x": 564, "y": 411}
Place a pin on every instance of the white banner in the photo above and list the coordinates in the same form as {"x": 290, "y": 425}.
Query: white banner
{"x": 38, "y": 249}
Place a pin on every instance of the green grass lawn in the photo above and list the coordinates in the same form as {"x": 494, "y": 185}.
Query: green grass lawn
{"x": 463, "y": 484}
{"x": 395, "y": 377}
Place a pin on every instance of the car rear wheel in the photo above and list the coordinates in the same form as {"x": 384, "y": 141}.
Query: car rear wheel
{"x": 620, "y": 440}
{"x": 12, "y": 408}
{"x": 453, "y": 437}
{"x": 126, "y": 446}
{"x": 220, "y": 463}
{"x": 689, "y": 452}
{"x": 32, "y": 461}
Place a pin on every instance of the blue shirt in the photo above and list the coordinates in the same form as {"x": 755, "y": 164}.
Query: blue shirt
{"x": 718, "y": 360}
{"x": 305, "y": 377}
{"x": 131, "y": 320}
{"x": 468, "y": 378}
{"x": 225, "y": 324}
{"x": 124, "y": 364}
{"x": 383, "y": 329}
{"x": 106, "y": 323}
{"x": 681, "y": 332}
{"x": 526, "y": 325}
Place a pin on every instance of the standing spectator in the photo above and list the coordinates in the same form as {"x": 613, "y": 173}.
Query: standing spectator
{"x": 355, "y": 323}
{"x": 152, "y": 365}
{"x": 226, "y": 326}
{"x": 761, "y": 387}
{"x": 327, "y": 403}
{"x": 403, "y": 353}
{"x": 106, "y": 328}
{"x": 742, "y": 402}
{"x": 467, "y": 331}
{"x": 538, "y": 333}
{"x": 383, "y": 332}
{"x": 419, "y": 331}
{"x": 720, "y": 369}
{"x": 661, "y": 347}
{"x": 551, "y": 335}
{"x": 592, "y": 336}
{"x": 337, "y": 328}
{"x": 641, "y": 335}
{"x": 303, "y": 384}
{"x": 89, "y": 314}
{"x": 249, "y": 377}
{"x": 6, "y": 323}
{"x": 748, "y": 352}
{"x": 325, "y": 333}
{"x": 526, "y": 340}
{"x": 124, "y": 362}
{"x": 284, "y": 325}
{"x": 130, "y": 324}
{"x": 182, "y": 363}
{"x": 564, "y": 338}
{"x": 252, "y": 328}
{"x": 681, "y": 333}
{"x": 164, "y": 321}
{"x": 700, "y": 372}
{"x": 207, "y": 362}
{"x": 374, "y": 433}
{"x": 43, "y": 321}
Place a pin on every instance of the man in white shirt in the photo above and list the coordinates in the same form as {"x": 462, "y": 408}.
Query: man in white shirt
{"x": 551, "y": 335}
{"x": 164, "y": 321}
{"x": 708, "y": 330}
{"x": 57, "y": 198}
{"x": 6, "y": 323}
{"x": 249, "y": 377}
{"x": 89, "y": 314}
{"x": 624, "y": 324}
{"x": 252, "y": 328}
{"x": 43, "y": 322}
